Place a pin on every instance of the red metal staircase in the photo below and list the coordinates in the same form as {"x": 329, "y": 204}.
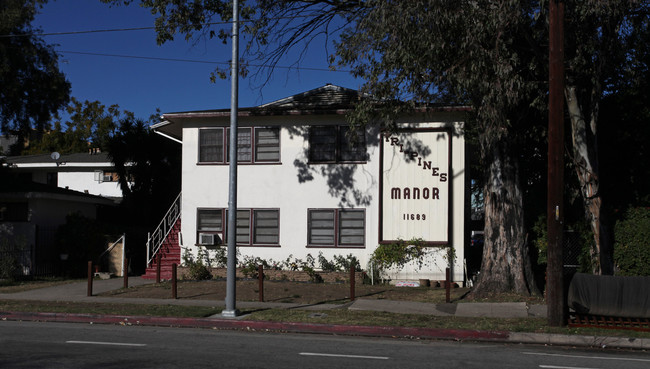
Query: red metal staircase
{"x": 164, "y": 245}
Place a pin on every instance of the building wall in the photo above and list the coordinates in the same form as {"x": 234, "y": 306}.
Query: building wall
{"x": 294, "y": 187}
{"x": 48, "y": 212}
{"x": 76, "y": 178}
{"x": 83, "y": 181}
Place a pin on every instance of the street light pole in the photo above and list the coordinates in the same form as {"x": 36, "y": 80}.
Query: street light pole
{"x": 231, "y": 275}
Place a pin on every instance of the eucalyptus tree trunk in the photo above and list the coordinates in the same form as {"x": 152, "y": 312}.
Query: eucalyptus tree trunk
{"x": 506, "y": 263}
{"x": 585, "y": 157}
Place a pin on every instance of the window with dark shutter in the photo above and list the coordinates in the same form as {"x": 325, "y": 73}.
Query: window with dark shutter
{"x": 211, "y": 145}
{"x": 267, "y": 144}
{"x": 336, "y": 228}
{"x": 336, "y": 144}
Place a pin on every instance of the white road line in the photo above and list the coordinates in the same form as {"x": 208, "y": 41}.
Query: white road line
{"x": 562, "y": 367}
{"x": 345, "y": 356}
{"x": 588, "y": 357}
{"x": 106, "y": 343}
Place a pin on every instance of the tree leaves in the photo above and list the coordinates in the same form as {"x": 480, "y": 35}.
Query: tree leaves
{"x": 32, "y": 88}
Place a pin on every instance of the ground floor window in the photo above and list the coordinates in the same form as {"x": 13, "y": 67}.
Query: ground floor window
{"x": 336, "y": 227}
{"x": 254, "y": 227}
{"x": 209, "y": 227}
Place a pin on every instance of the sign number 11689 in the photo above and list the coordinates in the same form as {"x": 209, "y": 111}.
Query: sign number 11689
{"x": 414, "y": 216}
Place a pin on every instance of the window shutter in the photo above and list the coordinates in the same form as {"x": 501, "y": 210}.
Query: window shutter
{"x": 267, "y": 227}
{"x": 321, "y": 227}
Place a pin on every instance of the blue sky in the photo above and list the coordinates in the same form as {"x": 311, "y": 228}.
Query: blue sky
{"x": 142, "y": 85}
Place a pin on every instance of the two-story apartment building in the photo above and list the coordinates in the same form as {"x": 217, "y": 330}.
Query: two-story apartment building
{"x": 307, "y": 185}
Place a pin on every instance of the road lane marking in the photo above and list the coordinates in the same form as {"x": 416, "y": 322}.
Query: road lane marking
{"x": 345, "y": 356}
{"x": 563, "y": 367}
{"x": 106, "y": 343}
{"x": 588, "y": 357}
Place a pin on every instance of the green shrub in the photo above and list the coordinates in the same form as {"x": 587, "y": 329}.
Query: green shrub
{"x": 326, "y": 265}
{"x": 249, "y": 266}
{"x": 399, "y": 253}
{"x": 199, "y": 272}
{"x": 196, "y": 269}
{"x": 10, "y": 252}
{"x": 347, "y": 263}
{"x": 632, "y": 243}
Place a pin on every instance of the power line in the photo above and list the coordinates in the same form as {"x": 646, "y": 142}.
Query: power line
{"x": 199, "y": 61}
{"x": 106, "y": 30}
{"x": 78, "y": 32}
{"x": 99, "y": 31}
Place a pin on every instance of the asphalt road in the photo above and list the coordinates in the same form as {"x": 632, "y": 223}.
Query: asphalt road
{"x": 65, "y": 345}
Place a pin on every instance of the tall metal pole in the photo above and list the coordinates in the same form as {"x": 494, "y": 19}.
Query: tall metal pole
{"x": 555, "y": 199}
{"x": 231, "y": 310}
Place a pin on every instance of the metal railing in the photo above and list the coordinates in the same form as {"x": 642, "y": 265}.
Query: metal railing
{"x": 110, "y": 248}
{"x": 156, "y": 239}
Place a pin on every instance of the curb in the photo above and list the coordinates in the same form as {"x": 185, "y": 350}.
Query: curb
{"x": 581, "y": 341}
{"x": 263, "y": 326}
{"x": 344, "y": 330}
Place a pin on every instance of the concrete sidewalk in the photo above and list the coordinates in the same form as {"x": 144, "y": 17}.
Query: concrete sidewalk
{"x": 77, "y": 292}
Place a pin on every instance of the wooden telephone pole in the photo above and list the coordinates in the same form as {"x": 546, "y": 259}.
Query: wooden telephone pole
{"x": 555, "y": 199}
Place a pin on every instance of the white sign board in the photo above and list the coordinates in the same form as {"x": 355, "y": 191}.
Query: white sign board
{"x": 415, "y": 185}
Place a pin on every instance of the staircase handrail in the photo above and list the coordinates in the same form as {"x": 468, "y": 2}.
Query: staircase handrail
{"x": 158, "y": 236}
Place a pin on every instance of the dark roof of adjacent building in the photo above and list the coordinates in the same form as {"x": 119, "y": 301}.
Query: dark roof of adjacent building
{"x": 86, "y": 158}
{"x": 18, "y": 188}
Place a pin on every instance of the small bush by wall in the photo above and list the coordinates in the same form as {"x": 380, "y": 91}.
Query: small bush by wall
{"x": 280, "y": 275}
{"x": 632, "y": 243}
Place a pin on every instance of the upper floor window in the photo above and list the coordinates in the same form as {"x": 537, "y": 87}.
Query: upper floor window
{"x": 332, "y": 144}
{"x": 254, "y": 145}
{"x": 211, "y": 145}
{"x": 244, "y": 145}
{"x": 267, "y": 144}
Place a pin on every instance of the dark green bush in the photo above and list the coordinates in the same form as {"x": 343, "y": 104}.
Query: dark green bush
{"x": 196, "y": 269}
{"x": 632, "y": 243}
{"x": 198, "y": 272}
{"x": 11, "y": 249}
{"x": 249, "y": 265}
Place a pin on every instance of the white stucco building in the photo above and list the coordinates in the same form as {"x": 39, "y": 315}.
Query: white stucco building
{"x": 91, "y": 173}
{"x": 305, "y": 188}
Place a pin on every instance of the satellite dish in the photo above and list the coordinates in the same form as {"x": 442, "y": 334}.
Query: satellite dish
{"x": 55, "y": 156}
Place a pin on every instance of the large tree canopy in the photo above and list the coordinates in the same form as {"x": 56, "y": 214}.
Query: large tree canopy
{"x": 148, "y": 167}
{"x": 32, "y": 88}
{"x": 90, "y": 124}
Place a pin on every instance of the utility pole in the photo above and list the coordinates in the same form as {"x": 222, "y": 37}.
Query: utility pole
{"x": 555, "y": 198}
{"x": 231, "y": 275}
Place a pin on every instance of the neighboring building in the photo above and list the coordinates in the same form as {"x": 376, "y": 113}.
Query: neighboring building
{"x": 92, "y": 173}
{"x": 30, "y": 214}
{"x": 305, "y": 188}
{"x": 44, "y": 190}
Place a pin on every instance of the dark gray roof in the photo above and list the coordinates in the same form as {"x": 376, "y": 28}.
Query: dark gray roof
{"x": 327, "y": 97}
{"x": 21, "y": 188}
{"x": 100, "y": 157}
